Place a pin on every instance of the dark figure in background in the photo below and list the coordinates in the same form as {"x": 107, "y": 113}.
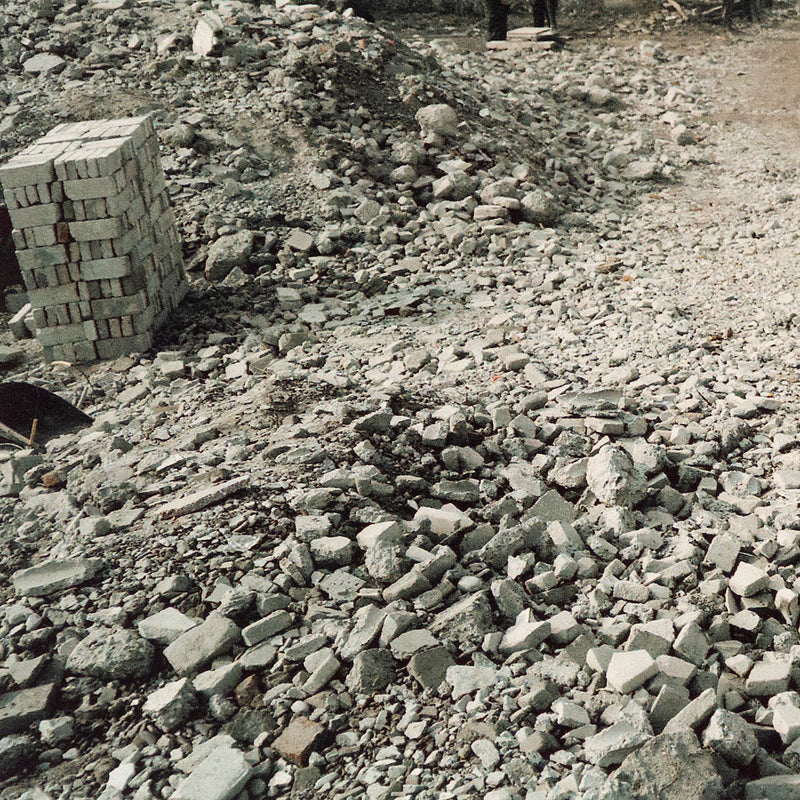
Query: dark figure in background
{"x": 9, "y": 269}
{"x": 361, "y": 8}
{"x": 497, "y": 20}
{"x": 544, "y": 14}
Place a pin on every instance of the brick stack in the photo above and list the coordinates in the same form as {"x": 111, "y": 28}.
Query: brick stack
{"x": 95, "y": 237}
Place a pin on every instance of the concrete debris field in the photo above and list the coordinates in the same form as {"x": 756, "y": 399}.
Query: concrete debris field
{"x": 469, "y": 464}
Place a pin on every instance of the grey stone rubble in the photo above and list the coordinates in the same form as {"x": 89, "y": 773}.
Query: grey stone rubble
{"x": 450, "y": 481}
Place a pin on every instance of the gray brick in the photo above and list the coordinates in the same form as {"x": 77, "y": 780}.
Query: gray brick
{"x": 119, "y": 306}
{"x": 90, "y": 188}
{"x": 63, "y": 334}
{"x": 105, "y": 268}
{"x": 41, "y": 298}
{"x": 116, "y": 348}
{"x": 95, "y": 229}
{"x": 34, "y": 216}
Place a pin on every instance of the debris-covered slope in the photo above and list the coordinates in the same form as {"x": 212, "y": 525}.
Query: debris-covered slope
{"x": 452, "y": 477}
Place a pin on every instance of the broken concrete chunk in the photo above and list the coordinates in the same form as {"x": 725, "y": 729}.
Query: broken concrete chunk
{"x": 221, "y": 775}
{"x": 194, "y": 649}
{"x": 694, "y": 714}
{"x": 630, "y": 670}
{"x": 203, "y": 498}
{"x": 748, "y": 580}
{"x": 466, "y": 679}
{"x": 54, "y": 576}
{"x": 171, "y": 705}
{"x": 614, "y": 479}
{"x": 166, "y": 626}
{"x": 768, "y": 678}
{"x": 298, "y": 739}
{"x": 672, "y": 766}
{"x": 112, "y": 655}
{"x": 19, "y": 709}
{"x": 612, "y": 745}
{"x": 730, "y": 736}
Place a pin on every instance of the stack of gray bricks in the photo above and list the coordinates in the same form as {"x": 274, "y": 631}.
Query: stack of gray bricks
{"x": 95, "y": 238}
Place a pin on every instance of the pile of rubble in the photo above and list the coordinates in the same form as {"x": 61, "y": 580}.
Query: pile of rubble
{"x": 440, "y": 487}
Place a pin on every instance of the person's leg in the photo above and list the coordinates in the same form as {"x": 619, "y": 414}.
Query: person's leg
{"x": 539, "y": 14}
{"x": 497, "y": 20}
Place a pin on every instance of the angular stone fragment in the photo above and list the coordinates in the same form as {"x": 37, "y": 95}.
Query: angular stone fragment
{"x": 723, "y": 551}
{"x": 407, "y": 644}
{"x": 321, "y": 665}
{"x": 203, "y": 498}
{"x": 172, "y": 704}
{"x": 730, "y": 736}
{"x": 525, "y": 634}
{"x": 768, "y": 678}
{"x": 748, "y": 580}
{"x": 773, "y": 787}
{"x": 439, "y": 119}
{"x": 691, "y": 643}
{"x": 112, "y": 655}
{"x": 166, "y": 626}
{"x": 271, "y": 625}
{"x": 53, "y": 576}
{"x": 16, "y": 753}
{"x": 372, "y": 671}
{"x": 366, "y": 627}
{"x": 446, "y": 520}
{"x": 468, "y": 620}
{"x": 24, "y": 673}
{"x": 228, "y": 252}
{"x": 19, "y": 709}
{"x": 786, "y": 721}
{"x": 218, "y": 681}
{"x": 466, "y": 679}
{"x": 671, "y": 766}
{"x": 206, "y": 37}
{"x": 630, "y": 670}
{"x": 612, "y": 745}
{"x": 655, "y": 637}
{"x": 429, "y": 667}
{"x": 613, "y": 478}
{"x": 412, "y": 584}
{"x": 694, "y": 714}
{"x": 221, "y": 775}
{"x": 669, "y": 701}
{"x": 331, "y": 551}
{"x": 298, "y": 739}
{"x": 194, "y": 649}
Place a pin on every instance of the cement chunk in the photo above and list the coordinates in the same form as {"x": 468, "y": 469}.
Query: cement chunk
{"x": 54, "y": 576}
{"x": 730, "y": 736}
{"x": 748, "y": 580}
{"x": 768, "y": 678}
{"x": 166, "y": 626}
{"x": 694, "y": 714}
{"x": 194, "y": 649}
{"x": 19, "y": 709}
{"x": 671, "y": 766}
{"x": 219, "y": 776}
{"x": 630, "y": 670}
{"x": 773, "y": 787}
{"x": 612, "y": 745}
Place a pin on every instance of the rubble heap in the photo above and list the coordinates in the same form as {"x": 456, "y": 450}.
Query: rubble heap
{"x": 95, "y": 237}
{"x": 473, "y": 469}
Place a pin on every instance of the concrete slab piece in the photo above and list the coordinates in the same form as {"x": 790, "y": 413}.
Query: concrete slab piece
{"x": 219, "y": 776}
